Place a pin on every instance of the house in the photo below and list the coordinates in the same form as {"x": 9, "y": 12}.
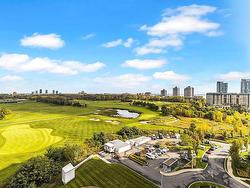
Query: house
{"x": 116, "y": 146}
{"x": 169, "y": 164}
{"x": 68, "y": 173}
{"x": 139, "y": 141}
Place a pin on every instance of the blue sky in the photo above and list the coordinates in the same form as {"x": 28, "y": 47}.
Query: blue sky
{"x": 123, "y": 46}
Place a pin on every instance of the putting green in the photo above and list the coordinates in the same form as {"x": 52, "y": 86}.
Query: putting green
{"x": 21, "y": 142}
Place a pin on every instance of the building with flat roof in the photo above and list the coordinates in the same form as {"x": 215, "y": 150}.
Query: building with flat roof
{"x": 245, "y": 86}
{"x": 222, "y": 87}
{"x": 228, "y": 99}
{"x": 176, "y": 91}
{"x": 164, "y": 92}
{"x": 189, "y": 92}
{"x": 117, "y": 146}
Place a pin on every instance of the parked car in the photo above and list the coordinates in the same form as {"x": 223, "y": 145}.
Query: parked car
{"x": 164, "y": 150}
{"x": 150, "y": 156}
{"x": 158, "y": 152}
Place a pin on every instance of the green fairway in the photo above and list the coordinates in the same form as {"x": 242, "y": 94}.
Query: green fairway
{"x": 21, "y": 141}
{"x": 32, "y": 127}
{"x": 98, "y": 173}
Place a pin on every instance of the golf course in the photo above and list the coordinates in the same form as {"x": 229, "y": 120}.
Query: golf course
{"x": 32, "y": 127}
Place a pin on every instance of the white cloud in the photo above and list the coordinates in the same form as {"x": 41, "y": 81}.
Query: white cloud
{"x": 234, "y": 75}
{"x": 183, "y": 20}
{"x": 9, "y": 78}
{"x": 127, "y": 44}
{"x": 157, "y": 45}
{"x": 170, "y": 75}
{"x": 145, "y": 63}
{"x": 24, "y": 63}
{"x": 52, "y": 41}
{"x": 175, "y": 24}
{"x": 88, "y": 36}
{"x": 123, "y": 81}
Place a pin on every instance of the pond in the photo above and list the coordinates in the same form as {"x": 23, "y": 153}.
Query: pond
{"x": 118, "y": 113}
{"x": 126, "y": 114}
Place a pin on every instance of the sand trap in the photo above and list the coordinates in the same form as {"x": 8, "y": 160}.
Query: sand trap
{"x": 144, "y": 122}
{"x": 113, "y": 122}
{"x": 94, "y": 119}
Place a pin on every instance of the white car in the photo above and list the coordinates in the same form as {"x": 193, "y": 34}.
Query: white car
{"x": 150, "y": 156}
{"x": 164, "y": 150}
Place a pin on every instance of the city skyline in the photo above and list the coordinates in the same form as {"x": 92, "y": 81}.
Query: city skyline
{"x": 77, "y": 50}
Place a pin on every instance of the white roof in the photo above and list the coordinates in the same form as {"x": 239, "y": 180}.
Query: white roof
{"x": 68, "y": 167}
{"x": 118, "y": 144}
{"x": 139, "y": 139}
{"x": 109, "y": 144}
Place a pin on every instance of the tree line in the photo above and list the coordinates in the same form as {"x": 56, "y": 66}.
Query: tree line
{"x": 151, "y": 106}
{"x": 59, "y": 100}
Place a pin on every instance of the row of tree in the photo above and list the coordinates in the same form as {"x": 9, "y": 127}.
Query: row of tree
{"x": 59, "y": 100}
{"x": 151, "y": 106}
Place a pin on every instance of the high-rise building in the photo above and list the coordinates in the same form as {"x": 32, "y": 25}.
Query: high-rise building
{"x": 176, "y": 91}
{"x": 245, "y": 86}
{"x": 40, "y": 91}
{"x": 164, "y": 92}
{"x": 228, "y": 99}
{"x": 189, "y": 92}
{"x": 46, "y": 91}
{"x": 57, "y": 92}
{"x": 36, "y": 92}
{"x": 222, "y": 87}
{"x": 53, "y": 91}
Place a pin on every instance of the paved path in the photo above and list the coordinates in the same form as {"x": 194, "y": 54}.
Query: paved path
{"x": 215, "y": 172}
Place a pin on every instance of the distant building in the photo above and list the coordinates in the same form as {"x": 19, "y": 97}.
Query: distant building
{"x": 36, "y": 92}
{"x": 14, "y": 93}
{"x": 228, "y": 99}
{"x": 189, "y": 92}
{"x": 164, "y": 92}
{"x": 46, "y": 91}
{"x": 245, "y": 86}
{"x": 56, "y": 92}
{"x": 40, "y": 91}
{"x": 222, "y": 87}
{"x": 176, "y": 91}
{"x": 53, "y": 92}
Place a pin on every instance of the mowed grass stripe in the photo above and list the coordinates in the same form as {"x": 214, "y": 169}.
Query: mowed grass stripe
{"x": 97, "y": 173}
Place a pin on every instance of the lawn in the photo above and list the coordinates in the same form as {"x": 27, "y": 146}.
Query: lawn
{"x": 97, "y": 173}
{"x": 205, "y": 184}
{"x": 32, "y": 127}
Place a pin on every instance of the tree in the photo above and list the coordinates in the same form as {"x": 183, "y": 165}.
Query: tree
{"x": 35, "y": 172}
{"x": 246, "y": 143}
{"x": 192, "y": 127}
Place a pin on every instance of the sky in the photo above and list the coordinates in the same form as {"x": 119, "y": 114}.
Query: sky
{"x": 117, "y": 46}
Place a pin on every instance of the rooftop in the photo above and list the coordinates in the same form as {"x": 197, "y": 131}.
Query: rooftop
{"x": 170, "y": 161}
{"x": 68, "y": 167}
{"x": 118, "y": 143}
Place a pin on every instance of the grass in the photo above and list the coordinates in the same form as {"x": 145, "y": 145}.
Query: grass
{"x": 97, "y": 173}
{"x": 205, "y": 184}
{"x": 199, "y": 162}
{"x": 32, "y": 126}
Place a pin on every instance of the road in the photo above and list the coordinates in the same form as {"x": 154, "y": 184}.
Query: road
{"x": 215, "y": 172}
